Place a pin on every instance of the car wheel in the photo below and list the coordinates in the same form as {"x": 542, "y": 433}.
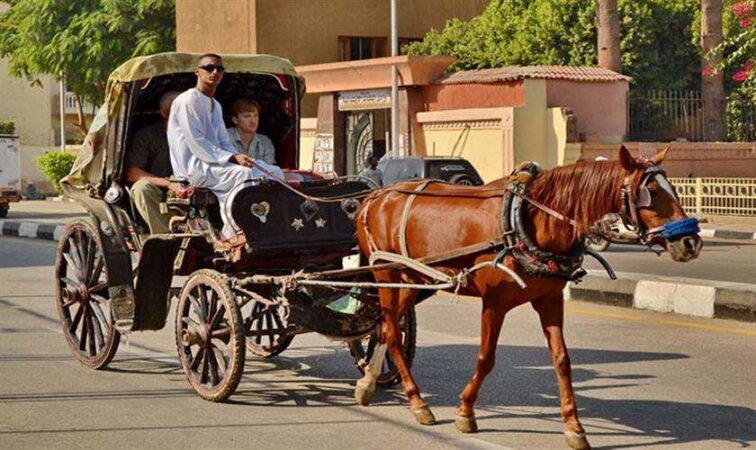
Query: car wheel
{"x": 464, "y": 180}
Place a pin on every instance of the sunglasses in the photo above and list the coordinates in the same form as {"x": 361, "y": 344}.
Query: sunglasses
{"x": 212, "y": 68}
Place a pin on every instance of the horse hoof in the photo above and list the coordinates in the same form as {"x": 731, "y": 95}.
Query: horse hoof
{"x": 576, "y": 441}
{"x": 363, "y": 392}
{"x": 466, "y": 424}
{"x": 424, "y": 416}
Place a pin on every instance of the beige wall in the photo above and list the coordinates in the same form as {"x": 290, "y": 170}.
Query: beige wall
{"x": 305, "y": 31}
{"x": 600, "y": 108}
{"x": 483, "y": 136}
{"x": 30, "y": 107}
{"x": 221, "y": 26}
{"x": 307, "y": 133}
{"x": 530, "y": 127}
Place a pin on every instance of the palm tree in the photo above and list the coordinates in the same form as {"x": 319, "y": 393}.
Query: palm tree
{"x": 607, "y": 18}
{"x": 712, "y": 85}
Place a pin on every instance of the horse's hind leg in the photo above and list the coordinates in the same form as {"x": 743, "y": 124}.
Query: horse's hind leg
{"x": 491, "y": 320}
{"x": 551, "y": 312}
{"x": 394, "y": 303}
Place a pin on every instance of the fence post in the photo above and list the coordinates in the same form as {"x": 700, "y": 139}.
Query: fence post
{"x": 699, "y": 195}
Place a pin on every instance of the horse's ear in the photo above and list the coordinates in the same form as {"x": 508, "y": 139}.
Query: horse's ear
{"x": 626, "y": 159}
{"x": 659, "y": 157}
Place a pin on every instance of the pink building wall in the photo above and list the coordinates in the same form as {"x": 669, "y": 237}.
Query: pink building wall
{"x": 689, "y": 159}
{"x": 600, "y": 107}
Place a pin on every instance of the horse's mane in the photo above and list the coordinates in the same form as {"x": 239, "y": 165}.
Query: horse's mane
{"x": 583, "y": 191}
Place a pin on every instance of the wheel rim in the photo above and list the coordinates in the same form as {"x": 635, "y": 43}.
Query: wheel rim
{"x": 82, "y": 297}
{"x": 205, "y": 335}
{"x": 465, "y": 182}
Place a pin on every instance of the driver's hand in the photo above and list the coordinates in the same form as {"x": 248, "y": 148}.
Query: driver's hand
{"x": 243, "y": 160}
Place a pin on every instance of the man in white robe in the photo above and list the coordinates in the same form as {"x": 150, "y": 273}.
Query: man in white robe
{"x": 200, "y": 147}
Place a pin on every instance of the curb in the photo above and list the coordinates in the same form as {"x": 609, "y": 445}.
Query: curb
{"x": 32, "y": 230}
{"x": 690, "y": 296}
{"x": 727, "y": 234}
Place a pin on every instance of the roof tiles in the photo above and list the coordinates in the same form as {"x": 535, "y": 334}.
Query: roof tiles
{"x": 512, "y": 73}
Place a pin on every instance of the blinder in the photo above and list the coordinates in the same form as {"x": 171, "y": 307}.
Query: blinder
{"x": 653, "y": 173}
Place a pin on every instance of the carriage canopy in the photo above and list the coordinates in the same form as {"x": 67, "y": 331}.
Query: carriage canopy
{"x": 101, "y": 149}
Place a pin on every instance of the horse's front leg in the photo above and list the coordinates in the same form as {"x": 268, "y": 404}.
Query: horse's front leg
{"x": 551, "y": 312}
{"x": 491, "y": 320}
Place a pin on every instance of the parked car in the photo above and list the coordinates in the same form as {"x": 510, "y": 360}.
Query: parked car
{"x": 449, "y": 169}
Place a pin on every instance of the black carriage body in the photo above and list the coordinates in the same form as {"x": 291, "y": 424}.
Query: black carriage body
{"x": 282, "y": 225}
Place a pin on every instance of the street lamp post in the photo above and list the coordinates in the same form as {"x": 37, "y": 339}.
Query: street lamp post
{"x": 62, "y": 111}
{"x": 394, "y": 88}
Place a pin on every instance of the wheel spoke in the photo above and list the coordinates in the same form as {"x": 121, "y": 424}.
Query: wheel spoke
{"x": 70, "y": 303}
{"x": 269, "y": 324}
{"x": 89, "y": 258}
{"x": 215, "y": 322}
{"x": 221, "y": 360}
{"x": 205, "y": 367}
{"x": 211, "y": 305}
{"x": 203, "y": 303}
{"x": 213, "y": 371}
{"x": 98, "y": 287}
{"x": 98, "y": 265}
{"x": 72, "y": 264}
{"x": 68, "y": 281}
{"x": 84, "y": 331}
{"x": 198, "y": 358}
{"x": 76, "y": 319}
{"x": 221, "y": 333}
{"x": 258, "y": 337}
{"x": 189, "y": 321}
{"x": 277, "y": 318}
{"x": 73, "y": 250}
{"x": 97, "y": 309}
{"x": 91, "y": 331}
{"x": 196, "y": 307}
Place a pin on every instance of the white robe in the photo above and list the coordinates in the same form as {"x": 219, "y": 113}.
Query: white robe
{"x": 200, "y": 150}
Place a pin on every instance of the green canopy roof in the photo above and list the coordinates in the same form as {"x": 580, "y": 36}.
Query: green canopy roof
{"x": 166, "y": 63}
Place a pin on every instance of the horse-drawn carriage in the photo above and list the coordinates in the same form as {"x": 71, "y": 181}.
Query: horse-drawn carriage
{"x": 513, "y": 241}
{"x": 112, "y": 277}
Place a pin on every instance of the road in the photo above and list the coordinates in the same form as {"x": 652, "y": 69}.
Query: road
{"x": 642, "y": 380}
{"x": 720, "y": 260}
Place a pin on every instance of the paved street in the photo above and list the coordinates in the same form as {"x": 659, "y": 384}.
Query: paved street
{"x": 720, "y": 260}
{"x": 642, "y": 379}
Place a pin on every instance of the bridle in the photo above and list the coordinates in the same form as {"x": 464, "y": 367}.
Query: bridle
{"x": 630, "y": 206}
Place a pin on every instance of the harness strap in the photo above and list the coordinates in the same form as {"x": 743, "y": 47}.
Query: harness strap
{"x": 405, "y": 217}
{"x": 545, "y": 208}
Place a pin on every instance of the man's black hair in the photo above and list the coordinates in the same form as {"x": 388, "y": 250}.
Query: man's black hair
{"x": 209, "y": 55}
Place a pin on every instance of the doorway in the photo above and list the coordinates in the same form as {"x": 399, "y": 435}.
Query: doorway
{"x": 366, "y": 135}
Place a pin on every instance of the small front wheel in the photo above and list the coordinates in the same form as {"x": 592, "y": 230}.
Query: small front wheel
{"x": 210, "y": 335}
{"x": 597, "y": 243}
{"x": 362, "y": 350}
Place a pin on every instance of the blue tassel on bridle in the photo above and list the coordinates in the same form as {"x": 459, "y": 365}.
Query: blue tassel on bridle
{"x": 680, "y": 227}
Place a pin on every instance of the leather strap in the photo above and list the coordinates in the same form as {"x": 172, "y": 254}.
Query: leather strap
{"x": 405, "y": 217}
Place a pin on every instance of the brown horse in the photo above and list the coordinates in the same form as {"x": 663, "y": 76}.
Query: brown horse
{"x": 450, "y": 217}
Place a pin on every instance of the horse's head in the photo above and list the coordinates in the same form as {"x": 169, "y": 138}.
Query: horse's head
{"x": 650, "y": 205}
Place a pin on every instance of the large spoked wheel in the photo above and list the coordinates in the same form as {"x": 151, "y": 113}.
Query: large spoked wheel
{"x": 265, "y": 327}
{"x": 81, "y": 296}
{"x": 362, "y": 350}
{"x": 209, "y": 335}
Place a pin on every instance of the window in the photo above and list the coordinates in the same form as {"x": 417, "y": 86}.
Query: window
{"x": 352, "y": 48}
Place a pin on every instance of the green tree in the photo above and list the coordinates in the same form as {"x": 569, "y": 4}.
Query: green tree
{"x": 83, "y": 39}
{"x": 659, "y": 49}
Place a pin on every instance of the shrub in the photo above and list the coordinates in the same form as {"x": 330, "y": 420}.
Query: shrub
{"x": 56, "y": 165}
{"x": 7, "y": 127}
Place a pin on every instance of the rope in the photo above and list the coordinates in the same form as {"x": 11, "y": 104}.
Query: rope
{"x": 334, "y": 199}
